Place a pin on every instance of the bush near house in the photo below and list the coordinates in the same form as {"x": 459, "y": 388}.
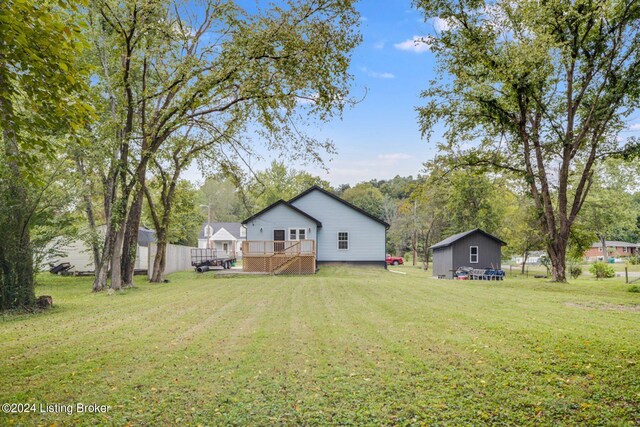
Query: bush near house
{"x": 602, "y": 270}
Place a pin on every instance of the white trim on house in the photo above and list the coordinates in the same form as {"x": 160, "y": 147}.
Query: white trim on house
{"x": 343, "y": 240}
{"x": 298, "y": 232}
{"x": 472, "y": 255}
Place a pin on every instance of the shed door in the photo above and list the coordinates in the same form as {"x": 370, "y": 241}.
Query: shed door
{"x": 278, "y": 237}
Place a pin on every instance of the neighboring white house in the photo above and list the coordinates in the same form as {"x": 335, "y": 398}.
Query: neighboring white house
{"x": 336, "y": 230}
{"x": 532, "y": 258}
{"x": 79, "y": 255}
{"x": 226, "y": 237}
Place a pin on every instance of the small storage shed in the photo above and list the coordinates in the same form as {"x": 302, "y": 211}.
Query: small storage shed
{"x": 474, "y": 248}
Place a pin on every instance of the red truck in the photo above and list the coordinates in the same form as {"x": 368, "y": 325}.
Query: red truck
{"x": 395, "y": 260}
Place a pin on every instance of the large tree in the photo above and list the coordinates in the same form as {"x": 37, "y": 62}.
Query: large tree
{"x": 167, "y": 65}
{"x": 541, "y": 88}
{"x": 41, "y": 84}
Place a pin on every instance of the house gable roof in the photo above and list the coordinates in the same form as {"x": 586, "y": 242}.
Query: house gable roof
{"x": 223, "y": 234}
{"x": 344, "y": 202}
{"x": 615, "y": 243}
{"x": 288, "y": 205}
{"x": 232, "y": 228}
{"x": 452, "y": 239}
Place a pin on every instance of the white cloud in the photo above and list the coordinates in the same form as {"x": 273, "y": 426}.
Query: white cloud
{"x": 418, "y": 44}
{"x": 381, "y": 166}
{"x": 377, "y": 75}
{"x": 441, "y": 25}
{"x": 379, "y": 45}
{"x": 635, "y": 126}
{"x": 394, "y": 156}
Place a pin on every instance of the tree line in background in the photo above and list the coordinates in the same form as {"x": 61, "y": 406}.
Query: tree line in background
{"x": 424, "y": 210}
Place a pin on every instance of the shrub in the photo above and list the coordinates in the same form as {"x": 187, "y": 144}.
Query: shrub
{"x": 634, "y": 288}
{"x": 575, "y": 271}
{"x": 634, "y": 260}
{"x": 602, "y": 270}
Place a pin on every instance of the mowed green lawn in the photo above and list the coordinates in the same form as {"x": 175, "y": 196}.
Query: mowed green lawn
{"x": 350, "y": 346}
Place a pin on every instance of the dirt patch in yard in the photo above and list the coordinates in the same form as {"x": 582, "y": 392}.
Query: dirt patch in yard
{"x": 604, "y": 307}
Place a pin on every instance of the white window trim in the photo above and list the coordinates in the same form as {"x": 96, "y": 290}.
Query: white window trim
{"x": 338, "y": 241}
{"x": 624, "y": 249}
{"x": 297, "y": 229}
{"x": 471, "y": 255}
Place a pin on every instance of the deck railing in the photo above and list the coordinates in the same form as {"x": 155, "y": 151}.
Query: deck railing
{"x": 278, "y": 247}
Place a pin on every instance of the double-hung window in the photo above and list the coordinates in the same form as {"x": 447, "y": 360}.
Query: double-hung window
{"x": 297, "y": 234}
{"x": 473, "y": 254}
{"x": 343, "y": 240}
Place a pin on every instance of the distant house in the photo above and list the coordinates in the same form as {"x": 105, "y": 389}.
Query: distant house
{"x": 532, "y": 258}
{"x": 474, "y": 248}
{"x": 615, "y": 249}
{"x": 226, "y": 237}
{"x": 314, "y": 227}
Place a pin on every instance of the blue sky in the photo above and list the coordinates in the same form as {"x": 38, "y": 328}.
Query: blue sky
{"x": 379, "y": 137}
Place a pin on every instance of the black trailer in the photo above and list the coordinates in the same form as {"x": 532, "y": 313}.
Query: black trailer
{"x": 204, "y": 259}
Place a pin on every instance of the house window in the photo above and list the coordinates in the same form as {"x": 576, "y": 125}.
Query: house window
{"x": 473, "y": 254}
{"x": 343, "y": 240}
{"x": 225, "y": 247}
{"x": 624, "y": 249}
{"x": 297, "y": 234}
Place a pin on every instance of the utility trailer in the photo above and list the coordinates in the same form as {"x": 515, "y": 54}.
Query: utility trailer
{"x": 204, "y": 259}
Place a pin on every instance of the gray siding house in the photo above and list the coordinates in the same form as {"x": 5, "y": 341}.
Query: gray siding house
{"x": 339, "y": 231}
{"x": 474, "y": 248}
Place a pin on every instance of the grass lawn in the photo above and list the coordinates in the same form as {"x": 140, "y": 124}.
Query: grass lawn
{"x": 350, "y": 346}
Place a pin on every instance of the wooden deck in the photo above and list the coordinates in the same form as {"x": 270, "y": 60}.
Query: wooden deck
{"x": 279, "y": 257}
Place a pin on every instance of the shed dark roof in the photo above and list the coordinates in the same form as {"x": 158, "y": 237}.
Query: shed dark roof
{"x": 287, "y": 204}
{"x": 449, "y": 240}
{"x": 231, "y": 227}
{"x": 344, "y": 202}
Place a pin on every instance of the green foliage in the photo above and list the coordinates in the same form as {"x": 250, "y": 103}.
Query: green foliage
{"x": 366, "y": 197}
{"x": 277, "y": 182}
{"x": 575, "y": 271}
{"x": 224, "y": 198}
{"x": 602, "y": 270}
{"x": 42, "y": 82}
{"x": 42, "y": 107}
{"x": 634, "y": 260}
{"x": 634, "y": 289}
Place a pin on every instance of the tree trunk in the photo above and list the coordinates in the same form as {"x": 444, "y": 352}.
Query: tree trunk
{"x": 557, "y": 254}
{"x": 130, "y": 242}
{"x": 160, "y": 261}
{"x": 116, "y": 259}
{"x": 525, "y": 255}
{"x": 414, "y": 244}
{"x": 88, "y": 207}
{"x": 603, "y": 243}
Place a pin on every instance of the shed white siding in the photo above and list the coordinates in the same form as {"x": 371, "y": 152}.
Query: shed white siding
{"x": 280, "y": 217}
{"x": 366, "y": 236}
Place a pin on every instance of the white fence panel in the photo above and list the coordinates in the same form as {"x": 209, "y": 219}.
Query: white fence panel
{"x": 178, "y": 258}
